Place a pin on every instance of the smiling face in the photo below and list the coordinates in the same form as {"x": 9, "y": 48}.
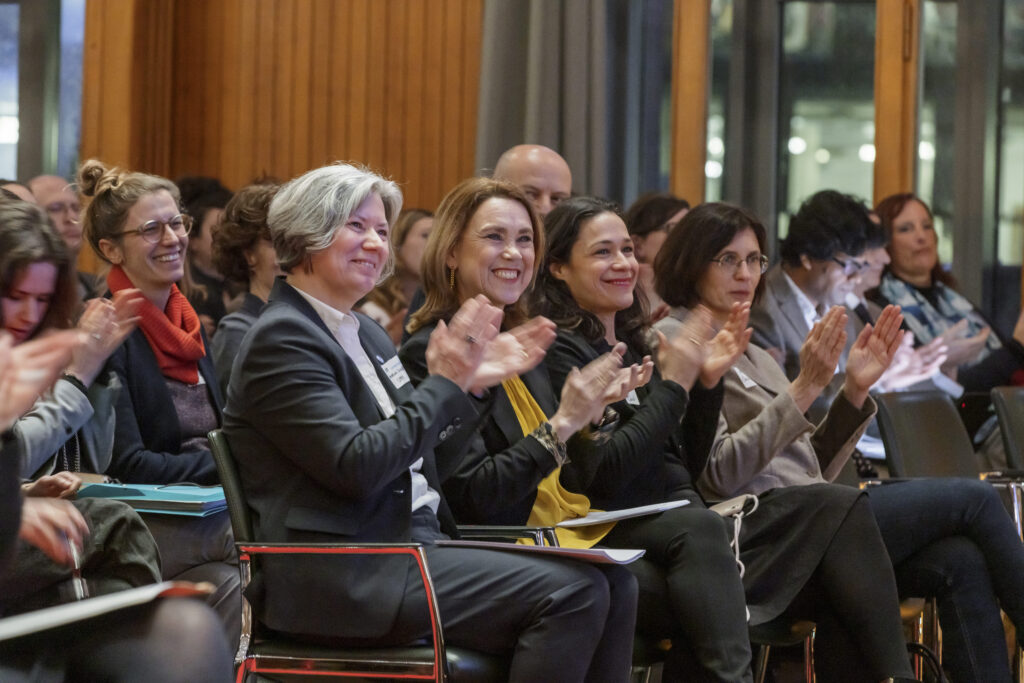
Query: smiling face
{"x": 602, "y": 269}
{"x": 914, "y": 244}
{"x": 495, "y": 254}
{"x": 349, "y": 268}
{"x": 153, "y": 268}
{"x": 26, "y": 303}
{"x": 720, "y": 287}
{"x": 410, "y": 254}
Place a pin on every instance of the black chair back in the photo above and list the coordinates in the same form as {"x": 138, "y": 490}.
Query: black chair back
{"x": 1009, "y": 405}
{"x": 238, "y": 509}
{"x": 924, "y": 436}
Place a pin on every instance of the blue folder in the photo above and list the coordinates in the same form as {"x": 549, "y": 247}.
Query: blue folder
{"x": 168, "y": 499}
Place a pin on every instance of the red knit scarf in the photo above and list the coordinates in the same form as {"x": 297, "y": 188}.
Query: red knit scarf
{"x": 173, "y": 334}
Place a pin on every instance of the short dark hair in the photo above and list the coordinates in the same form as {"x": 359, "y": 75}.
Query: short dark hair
{"x": 552, "y": 297}
{"x": 243, "y": 225}
{"x": 686, "y": 255}
{"x": 827, "y": 223}
{"x": 651, "y": 211}
{"x": 200, "y": 194}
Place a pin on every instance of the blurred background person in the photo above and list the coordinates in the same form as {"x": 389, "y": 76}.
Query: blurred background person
{"x": 61, "y": 201}
{"x": 649, "y": 220}
{"x": 204, "y": 199}
{"x": 243, "y": 252}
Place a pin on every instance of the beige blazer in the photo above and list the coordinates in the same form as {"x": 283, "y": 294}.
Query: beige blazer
{"x": 764, "y": 441}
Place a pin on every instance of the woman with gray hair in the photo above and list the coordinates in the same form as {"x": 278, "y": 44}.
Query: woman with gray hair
{"x": 335, "y": 445}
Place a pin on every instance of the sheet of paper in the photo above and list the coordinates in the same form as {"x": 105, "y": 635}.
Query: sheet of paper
{"x": 596, "y": 517}
{"x": 60, "y": 615}
{"x": 593, "y": 555}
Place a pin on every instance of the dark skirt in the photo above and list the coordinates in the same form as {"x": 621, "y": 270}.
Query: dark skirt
{"x": 783, "y": 540}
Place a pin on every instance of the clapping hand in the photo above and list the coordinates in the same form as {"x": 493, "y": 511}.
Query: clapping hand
{"x": 963, "y": 349}
{"x": 456, "y": 349}
{"x": 818, "y": 357}
{"x": 105, "y": 324}
{"x": 910, "y": 366}
{"x": 682, "y": 358}
{"x": 513, "y": 353}
{"x": 871, "y": 354}
{"x": 627, "y": 380}
{"x": 583, "y": 394}
{"x": 28, "y": 369}
{"x": 727, "y": 346}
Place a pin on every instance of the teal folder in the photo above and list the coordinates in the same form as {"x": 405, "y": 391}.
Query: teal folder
{"x": 173, "y": 499}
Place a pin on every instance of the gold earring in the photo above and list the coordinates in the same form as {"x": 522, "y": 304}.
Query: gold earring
{"x": 451, "y": 278}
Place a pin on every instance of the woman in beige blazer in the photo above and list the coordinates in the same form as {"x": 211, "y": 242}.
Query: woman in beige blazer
{"x": 947, "y": 538}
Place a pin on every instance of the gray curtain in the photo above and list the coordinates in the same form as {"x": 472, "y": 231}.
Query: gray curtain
{"x": 544, "y": 80}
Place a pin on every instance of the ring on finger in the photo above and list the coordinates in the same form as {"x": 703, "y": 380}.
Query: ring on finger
{"x": 470, "y": 339}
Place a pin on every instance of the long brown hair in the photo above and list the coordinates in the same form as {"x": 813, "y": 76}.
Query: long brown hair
{"x": 452, "y": 219}
{"x": 891, "y": 207}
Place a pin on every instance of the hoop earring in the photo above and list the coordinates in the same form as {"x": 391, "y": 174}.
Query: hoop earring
{"x": 451, "y": 278}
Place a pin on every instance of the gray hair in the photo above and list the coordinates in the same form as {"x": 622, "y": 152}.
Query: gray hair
{"x": 307, "y": 211}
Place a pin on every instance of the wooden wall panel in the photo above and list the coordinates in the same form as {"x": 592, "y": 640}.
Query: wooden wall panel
{"x": 237, "y": 88}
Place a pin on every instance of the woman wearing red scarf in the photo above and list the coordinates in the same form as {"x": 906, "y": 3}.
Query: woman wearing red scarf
{"x": 170, "y": 398}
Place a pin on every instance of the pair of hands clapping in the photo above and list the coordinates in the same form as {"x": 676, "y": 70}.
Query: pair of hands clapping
{"x": 869, "y": 356}
{"x": 698, "y": 352}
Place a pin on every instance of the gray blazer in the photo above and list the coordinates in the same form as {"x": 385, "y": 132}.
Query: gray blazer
{"x": 65, "y": 412}
{"x": 764, "y": 441}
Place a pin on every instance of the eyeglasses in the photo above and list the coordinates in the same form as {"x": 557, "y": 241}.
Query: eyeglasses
{"x": 852, "y": 266}
{"x": 731, "y": 262}
{"x": 153, "y": 231}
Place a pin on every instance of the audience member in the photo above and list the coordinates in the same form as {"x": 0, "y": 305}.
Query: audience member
{"x": 19, "y": 190}
{"x": 60, "y": 199}
{"x": 649, "y": 220}
{"x": 165, "y": 641}
{"x": 388, "y": 303}
{"x": 333, "y": 443}
{"x": 916, "y": 281}
{"x": 169, "y": 398}
{"x": 540, "y": 172}
{"x": 586, "y": 285}
{"x": 204, "y": 199}
{"x": 947, "y": 538}
{"x": 243, "y": 252}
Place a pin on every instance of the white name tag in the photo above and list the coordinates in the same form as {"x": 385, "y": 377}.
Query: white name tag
{"x": 395, "y": 372}
{"x": 747, "y": 382}
{"x": 632, "y": 399}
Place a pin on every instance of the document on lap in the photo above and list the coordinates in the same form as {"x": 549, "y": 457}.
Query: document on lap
{"x": 592, "y": 555}
{"x": 602, "y": 516}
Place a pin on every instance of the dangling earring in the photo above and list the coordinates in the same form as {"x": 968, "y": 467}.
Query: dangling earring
{"x": 451, "y": 278}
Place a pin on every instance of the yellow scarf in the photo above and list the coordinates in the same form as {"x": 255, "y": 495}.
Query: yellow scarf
{"x": 554, "y": 503}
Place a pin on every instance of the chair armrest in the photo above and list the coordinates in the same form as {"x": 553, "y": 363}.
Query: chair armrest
{"x": 541, "y": 535}
{"x": 1003, "y": 476}
{"x": 882, "y": 482}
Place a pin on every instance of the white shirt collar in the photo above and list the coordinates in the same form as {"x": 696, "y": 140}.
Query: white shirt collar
{"x": 809, "y": 311}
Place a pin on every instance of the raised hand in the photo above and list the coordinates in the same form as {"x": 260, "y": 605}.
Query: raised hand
{"x": 456, "y": 349}
{"x": 52, "y": 525}
{"x": 871, "y": 354}
{"x": 60, "y": 485}
{"x": 28, "y": 369}
{"x": 627, "y": 380}
{"x": 727, "y": 346}
{"x": 582, "y": 399}
{"x": 514, "y": 352}
{"x": 105, "y": 324}
{"x": 818, "y": 357}
{"x": 681, "y": 358}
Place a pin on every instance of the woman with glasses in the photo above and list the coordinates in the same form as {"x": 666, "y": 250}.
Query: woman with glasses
{"x": 169, "y": 398}
{"x": 946, "y": 538}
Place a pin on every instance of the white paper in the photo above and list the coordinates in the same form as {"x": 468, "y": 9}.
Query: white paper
{"x": 600, "y": 517}
{"x": 592, "y": 555}
{"x": 60, "y": 615}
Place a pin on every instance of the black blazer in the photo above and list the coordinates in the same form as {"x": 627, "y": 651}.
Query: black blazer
{"x": 147, "y": 434}
{"x": 653, "y": 455}
{"x": 320, "y": 464}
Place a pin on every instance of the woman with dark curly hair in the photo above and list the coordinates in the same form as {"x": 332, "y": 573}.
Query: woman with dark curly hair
{"x": 243, "y": 253}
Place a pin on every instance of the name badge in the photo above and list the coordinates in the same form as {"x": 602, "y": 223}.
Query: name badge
{"x": 632, "y": 399}
{"x": 395, "y": 372}
{"x": 747, "y": 382}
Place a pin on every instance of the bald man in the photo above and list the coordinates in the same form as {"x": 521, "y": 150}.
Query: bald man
{"x": 540, "y": 172}
{"x": 56, "y": 195}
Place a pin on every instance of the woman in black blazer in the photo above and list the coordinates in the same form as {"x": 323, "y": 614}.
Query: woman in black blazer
{"x": 335, "y": 445}
{"x": 169, "y": 398}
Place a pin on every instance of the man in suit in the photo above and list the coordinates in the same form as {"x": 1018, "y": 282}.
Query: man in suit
{"x": 334, "y": 445}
